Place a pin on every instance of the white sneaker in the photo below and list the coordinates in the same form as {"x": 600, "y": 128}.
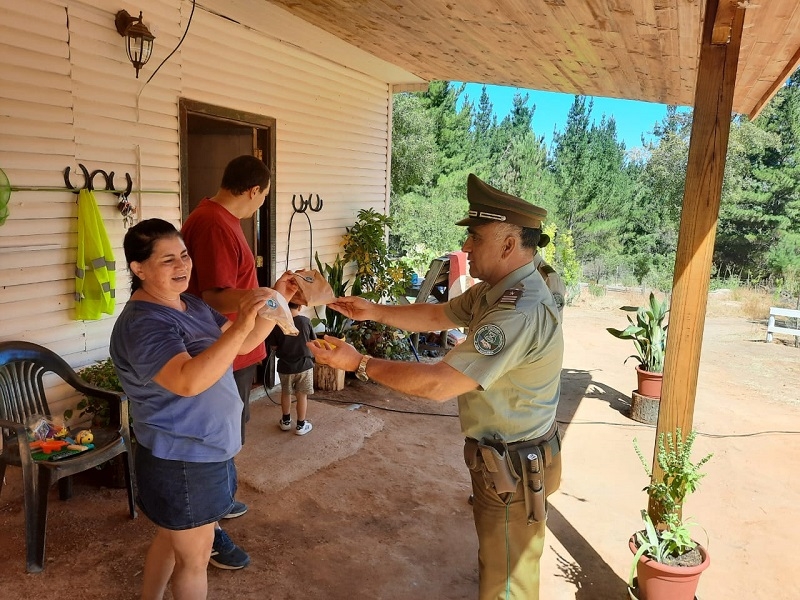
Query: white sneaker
{"x": 304, "y": 429}
{"x": 285, "y": 425}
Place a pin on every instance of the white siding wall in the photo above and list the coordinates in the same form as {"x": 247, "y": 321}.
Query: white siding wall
{"x": 68, "y": 95}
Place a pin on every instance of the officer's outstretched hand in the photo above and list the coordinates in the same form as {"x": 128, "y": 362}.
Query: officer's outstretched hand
{"x": 335, "y": 353}
{"x": 354, "y": 307}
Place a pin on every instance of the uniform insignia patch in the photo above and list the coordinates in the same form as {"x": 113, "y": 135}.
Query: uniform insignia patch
{"x": 489, "y": 340}
{"x": 511, "y": 296}
{"x": 559, "y": 298}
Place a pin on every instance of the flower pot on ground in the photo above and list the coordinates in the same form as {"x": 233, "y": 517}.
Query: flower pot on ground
{"x": 657, "y": 581}
{"x": 648, "y": 383}
{"x": 649, "y": 336}
{"x": 667, "y": 561}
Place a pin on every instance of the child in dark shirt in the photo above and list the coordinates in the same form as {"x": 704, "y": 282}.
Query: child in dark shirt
{"x": 295, "y": 370}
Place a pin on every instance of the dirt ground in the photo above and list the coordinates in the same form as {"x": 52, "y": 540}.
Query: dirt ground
{"x": 372, "y": 504}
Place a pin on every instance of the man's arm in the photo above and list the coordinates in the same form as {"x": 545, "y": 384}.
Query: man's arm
{"x": 409, "y": 317}
{"x": 437, "y": 381}
{"x": 224, "y": 300}
{"x": 227, "y": 300}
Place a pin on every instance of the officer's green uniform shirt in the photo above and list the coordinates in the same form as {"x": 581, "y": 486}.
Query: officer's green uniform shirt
{"x": 514, "y": 351}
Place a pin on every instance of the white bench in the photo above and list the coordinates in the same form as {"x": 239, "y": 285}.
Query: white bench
{"x": 781, "y": 312}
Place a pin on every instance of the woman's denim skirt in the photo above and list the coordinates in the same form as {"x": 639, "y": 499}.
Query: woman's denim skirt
{"x": 182, "y": 495}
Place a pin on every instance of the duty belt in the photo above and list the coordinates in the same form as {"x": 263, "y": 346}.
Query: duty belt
{"x": 550, "y": 443}
{"x": 505, "y": 464}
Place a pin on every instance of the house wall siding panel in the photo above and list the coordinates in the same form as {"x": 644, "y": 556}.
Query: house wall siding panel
{"x": 68, "y": 95}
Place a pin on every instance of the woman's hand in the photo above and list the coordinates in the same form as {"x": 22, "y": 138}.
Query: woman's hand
{"x": 249, "y": 304}
{"x": 286, "y": 286}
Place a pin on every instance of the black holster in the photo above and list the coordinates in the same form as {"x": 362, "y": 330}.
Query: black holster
{"x": 505, "y": 465}
{"x": 532, "y": 464}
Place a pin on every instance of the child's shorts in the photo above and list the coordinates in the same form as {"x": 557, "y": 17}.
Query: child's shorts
{"x": 182, "y": 495}
{"x": 302, "y": 382}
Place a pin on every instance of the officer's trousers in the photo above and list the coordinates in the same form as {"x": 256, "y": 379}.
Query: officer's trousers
{"x": 509, "y": 549}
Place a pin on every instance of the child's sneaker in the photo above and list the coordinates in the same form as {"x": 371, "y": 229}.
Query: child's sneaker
{"x": 304, "y": 428}
{"x": 285, "y": 425}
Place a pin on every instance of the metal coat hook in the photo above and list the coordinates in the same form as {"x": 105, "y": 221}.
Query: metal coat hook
{"x": 306, "y": 204}
{"x": 86, "y": 179}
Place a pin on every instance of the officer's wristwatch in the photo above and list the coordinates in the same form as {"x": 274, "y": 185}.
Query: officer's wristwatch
{"x": 361, "y": 372}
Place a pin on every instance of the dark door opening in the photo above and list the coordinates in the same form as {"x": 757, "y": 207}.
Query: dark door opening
{"x": 210, "y": 136}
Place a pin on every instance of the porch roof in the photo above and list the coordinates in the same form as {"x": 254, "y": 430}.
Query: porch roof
{"x": 633, "y": 49}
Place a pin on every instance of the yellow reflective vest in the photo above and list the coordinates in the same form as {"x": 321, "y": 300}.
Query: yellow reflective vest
{"x": 95, "y": 269}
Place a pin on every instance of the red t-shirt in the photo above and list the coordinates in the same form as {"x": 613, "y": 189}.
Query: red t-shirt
{"x": 221, "y": 259}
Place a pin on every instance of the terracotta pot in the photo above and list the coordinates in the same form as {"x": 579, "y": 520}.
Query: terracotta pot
{"x": 649, "y": 383}
{"x": 658, "y": 581}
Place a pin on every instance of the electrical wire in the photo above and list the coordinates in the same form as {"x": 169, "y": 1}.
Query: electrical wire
{"x": 183, "y": 37}
{"x": 566, "y": 423}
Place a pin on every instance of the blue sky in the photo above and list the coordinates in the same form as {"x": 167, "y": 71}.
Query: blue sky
{"x": 633, "y": 118}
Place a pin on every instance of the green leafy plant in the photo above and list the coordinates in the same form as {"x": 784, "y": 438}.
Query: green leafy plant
{"x": 378, "y": 276}
{"x": 335, "y": 323}
{"x": 648, "y": 333}
{"x": 379, "y": 340}
{"x": 680, "y": 478}
{"x": 102, "y": 375}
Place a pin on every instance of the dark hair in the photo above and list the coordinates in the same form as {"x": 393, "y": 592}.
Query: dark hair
{"x": 530, "y": 237}
{"x": 140, "y": 240}
{"x": 243, "y": 173}
{"x": 294, "y": 305}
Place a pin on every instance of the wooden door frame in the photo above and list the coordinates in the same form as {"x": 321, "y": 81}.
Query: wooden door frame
{"x": 267, "y": 217}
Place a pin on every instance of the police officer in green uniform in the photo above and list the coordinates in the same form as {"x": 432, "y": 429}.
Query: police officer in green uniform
{"x": 506, "y": 376}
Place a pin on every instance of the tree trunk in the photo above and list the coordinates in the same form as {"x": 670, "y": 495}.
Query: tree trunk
{"x": 328, "y": 379}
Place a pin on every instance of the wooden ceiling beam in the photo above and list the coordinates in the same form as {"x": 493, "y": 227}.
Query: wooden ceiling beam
{"x": 723, "y": 21}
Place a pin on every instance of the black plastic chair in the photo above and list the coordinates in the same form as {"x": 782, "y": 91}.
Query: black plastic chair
{"x": 22, "y": 395}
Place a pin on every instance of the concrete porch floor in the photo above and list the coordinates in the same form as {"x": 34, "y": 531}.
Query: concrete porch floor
{"x": 373, "y": 502}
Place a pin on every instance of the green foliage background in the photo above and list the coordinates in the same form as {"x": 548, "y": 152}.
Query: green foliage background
{"x": 614, "y": 212}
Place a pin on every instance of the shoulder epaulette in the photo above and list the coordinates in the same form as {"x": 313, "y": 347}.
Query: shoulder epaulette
{"x": 510, "y": 297}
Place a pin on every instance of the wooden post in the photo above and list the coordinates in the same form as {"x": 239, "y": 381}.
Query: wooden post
{"x": 713, "y": 103}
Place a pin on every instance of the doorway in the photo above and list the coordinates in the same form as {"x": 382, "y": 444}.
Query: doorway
{"x": 210, "y": 136}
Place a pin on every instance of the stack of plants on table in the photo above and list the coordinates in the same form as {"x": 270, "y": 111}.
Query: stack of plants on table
{"x": 667, "y": 560}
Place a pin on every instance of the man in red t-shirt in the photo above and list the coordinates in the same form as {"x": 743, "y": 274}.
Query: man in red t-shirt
{"x": 223, "y": 270}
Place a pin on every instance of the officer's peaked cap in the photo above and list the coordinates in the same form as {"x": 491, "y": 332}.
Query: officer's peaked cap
{"x": 489, "y": 205}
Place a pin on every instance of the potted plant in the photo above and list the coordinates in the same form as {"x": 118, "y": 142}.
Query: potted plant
{"x": 649, "y": 335}
{"x": 102, "y": 375}
{"x": 335, "y": 323}
{"x": 380, "y": 340}
{"x": 667, "y": 561}
{"x": 379, "y": 276}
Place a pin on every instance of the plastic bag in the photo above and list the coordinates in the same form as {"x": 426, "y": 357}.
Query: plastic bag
{"x": 277, "y": 309}
{"x": 45, "y": 427}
